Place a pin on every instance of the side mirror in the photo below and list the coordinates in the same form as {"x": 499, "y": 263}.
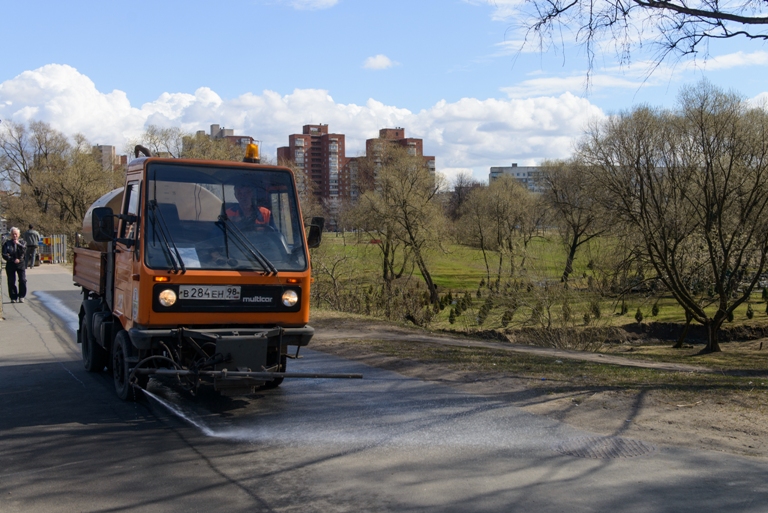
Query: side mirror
{"x": 315, "y": 234}
{"x": 103, "y": 224}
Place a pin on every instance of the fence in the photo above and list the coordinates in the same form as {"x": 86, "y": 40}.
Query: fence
{"x": 53, "y": 249}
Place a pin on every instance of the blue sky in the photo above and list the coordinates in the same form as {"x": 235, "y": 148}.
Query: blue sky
{"x": 449, "y": 71}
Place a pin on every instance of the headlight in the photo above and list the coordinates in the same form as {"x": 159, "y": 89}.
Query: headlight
{"x": 167, "y": 297}
{"x": 290, "y": 297}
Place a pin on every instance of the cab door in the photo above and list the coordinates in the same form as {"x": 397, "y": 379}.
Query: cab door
{"x": 127, "y": 256}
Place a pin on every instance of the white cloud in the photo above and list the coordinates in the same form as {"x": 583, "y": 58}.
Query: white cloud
{"x": 311, "y": 5}
{"x": 735, "y": 60}
{"x": 761, "y": 100}
{"x": 462, "y": 135}
{"x": 378, "y": 62}
{"x": 69, "y": 101}
{"x": 502, "y": 9}
{"x": 546, "y": 86}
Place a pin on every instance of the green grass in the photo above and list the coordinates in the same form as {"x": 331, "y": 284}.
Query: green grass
{"x": 458, "y": 269}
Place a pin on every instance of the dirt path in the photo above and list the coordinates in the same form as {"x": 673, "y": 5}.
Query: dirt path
{"x": 701, "y": 420}
{"x": 395, "y": 333}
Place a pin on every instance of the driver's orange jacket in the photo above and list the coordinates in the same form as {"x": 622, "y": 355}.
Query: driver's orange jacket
{"x": 262, "y": 215}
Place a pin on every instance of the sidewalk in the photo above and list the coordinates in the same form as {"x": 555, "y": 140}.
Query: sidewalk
{"x": 45, "y": 277}
{"x": 30, "y": 331}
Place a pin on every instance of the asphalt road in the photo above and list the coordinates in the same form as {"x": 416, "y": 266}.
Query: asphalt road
{"x": 384, "y": 443}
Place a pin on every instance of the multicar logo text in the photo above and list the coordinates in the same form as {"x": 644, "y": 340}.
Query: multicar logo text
{"x": 257, "y": 299}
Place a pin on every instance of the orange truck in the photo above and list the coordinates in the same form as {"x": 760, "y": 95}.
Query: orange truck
{"x": 198, "y": 271}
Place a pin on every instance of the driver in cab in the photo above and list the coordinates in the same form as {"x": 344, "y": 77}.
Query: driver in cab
{"x": 251, "y": 210}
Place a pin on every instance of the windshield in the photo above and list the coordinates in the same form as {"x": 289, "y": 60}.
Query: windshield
{"x": 200, "y": 217}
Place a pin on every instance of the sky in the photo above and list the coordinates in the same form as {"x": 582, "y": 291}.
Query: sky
{"x": 456, "y": 73}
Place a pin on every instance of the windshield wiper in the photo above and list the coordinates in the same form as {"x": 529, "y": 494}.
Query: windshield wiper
{"x": 165, "y": 234}
{"x": 258, "y": 256}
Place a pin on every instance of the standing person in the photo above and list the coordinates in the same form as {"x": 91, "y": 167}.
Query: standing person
{"x": 14, "y": 250}
{"x": 32, "y": 239}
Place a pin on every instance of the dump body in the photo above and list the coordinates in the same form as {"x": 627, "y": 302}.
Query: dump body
{"x": 207, "y": 271}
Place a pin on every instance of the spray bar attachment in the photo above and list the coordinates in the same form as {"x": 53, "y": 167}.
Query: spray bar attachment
{"x": 224, "y": 373}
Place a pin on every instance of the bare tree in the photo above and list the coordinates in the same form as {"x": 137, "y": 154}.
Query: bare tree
{"x": 463, "y": 185}
{"x": 310, "y": 205}
{"x": 51, "y": 181}
{"x": 505, "y": 203}
{"x": 570, "y": 195}
{"x": 676, "y": 27}
{"x": 403, "y": 202}
{"x": 32, "y": 157}
{"x": 694, "y": 185}
{"x": 533, "y": 215}
{"x": 503, "y": 218}
{"x": 161, "y": 141}
{"x": 475, "y": 226}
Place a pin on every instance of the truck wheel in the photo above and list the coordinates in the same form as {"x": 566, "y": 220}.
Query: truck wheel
{"x": 120, "y": 367}
{"x": 94, "y": 356}
{"x": 269, "y": 385}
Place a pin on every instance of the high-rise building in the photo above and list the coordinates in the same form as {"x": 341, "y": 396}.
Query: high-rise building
{"x": 360, "y": 181}
{"x": 320, "y": 155}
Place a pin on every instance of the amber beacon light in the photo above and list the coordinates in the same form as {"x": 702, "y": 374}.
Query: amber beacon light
{"x": 252, "y": 153}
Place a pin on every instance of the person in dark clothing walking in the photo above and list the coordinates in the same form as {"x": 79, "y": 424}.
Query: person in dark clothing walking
{"x": 14, "y": 250}
{"x": 32, "y": 239}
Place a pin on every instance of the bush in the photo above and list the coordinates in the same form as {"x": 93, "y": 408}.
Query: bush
{"x": 579, "y": 339}
{"x": 567, "y": 314}
{"x": 507, "y": 317}
{"x": 750, "y": 312}
{"x": 595, "y": 309}
{"x": 639, "y": 316}
{"x": 655, "y": 310}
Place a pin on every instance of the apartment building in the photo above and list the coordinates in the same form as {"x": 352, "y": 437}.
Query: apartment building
{"x": 361, "y": 180}
{"x": 219, "y": 132}
{"x": 529, "y": 176}
{"x": 106, "y": 155}
{"x": 321, "y": 156}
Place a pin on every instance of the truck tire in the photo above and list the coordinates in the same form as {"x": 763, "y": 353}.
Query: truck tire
{"x": 94, "y": 356}
{"x": 121, "y": 350}
{"x": 269, "y": 385}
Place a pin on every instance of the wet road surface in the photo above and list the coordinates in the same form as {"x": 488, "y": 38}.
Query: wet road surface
{"x": 384, "y": 443}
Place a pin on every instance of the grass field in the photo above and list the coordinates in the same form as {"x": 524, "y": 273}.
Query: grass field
{"x": 460, "y": 269}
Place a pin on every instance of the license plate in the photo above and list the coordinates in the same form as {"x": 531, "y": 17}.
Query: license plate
{"x": 222, "y": 292}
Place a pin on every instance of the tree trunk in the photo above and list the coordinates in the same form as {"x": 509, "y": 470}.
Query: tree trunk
{"x": 433, "y": 297}
{"x": 712, "y": 326}
{"x": 501, "y": 264}
{"x": 512, "y": 268}
{"x": 386, "y": 267}
{"x": 684, "y": 334}
{"x": 485, "y": 257}
{"x": 569, "y": 261}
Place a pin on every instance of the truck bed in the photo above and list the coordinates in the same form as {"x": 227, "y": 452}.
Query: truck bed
{"x": 88, "y": 269}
